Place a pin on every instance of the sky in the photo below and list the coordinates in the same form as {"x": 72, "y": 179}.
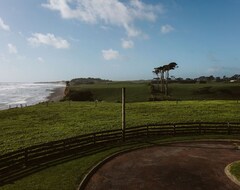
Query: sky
{"x": 51, "y": 40}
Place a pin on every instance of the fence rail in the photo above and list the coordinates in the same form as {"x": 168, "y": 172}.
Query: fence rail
{"x": 16, "y": 161}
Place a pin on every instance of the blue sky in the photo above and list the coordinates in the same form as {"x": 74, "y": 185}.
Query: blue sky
{"x": 48, "y": 40}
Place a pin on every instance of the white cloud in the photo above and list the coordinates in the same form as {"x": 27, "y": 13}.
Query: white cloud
{"x": 4, "y": 26}
{"x": 127, "y": 44}
{"x": 110, "y": 54}
{"x": 40, "y": 59}
{"x": 166, "y": 29}
{"x": 12, "y": 49}
{"x": 48, "y": 39}
{"x": 108, "y": 12}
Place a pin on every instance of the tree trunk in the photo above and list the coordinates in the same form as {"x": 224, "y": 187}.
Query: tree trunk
{"x": 158, "y": 83}
{"x": 166, "y": 84}
{"x": 162, "y": 81}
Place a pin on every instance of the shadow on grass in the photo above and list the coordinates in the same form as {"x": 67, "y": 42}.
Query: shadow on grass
{"x": 20, "y": 172}
{"x": 16, "y": 173}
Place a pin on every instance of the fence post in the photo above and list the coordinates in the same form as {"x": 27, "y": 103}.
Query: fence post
{"x": 229, "y": 128}
{"x": 26, "y": 157}
{"x": 123, "y": 114}
{"x": 64, "y": 146}
{"x": 174, "y": 129}
{"x": 147, "y": 132}
{"x": 199, "y": 127}
{"x": 204, "y": 129}
{"x": 94, "y": 138}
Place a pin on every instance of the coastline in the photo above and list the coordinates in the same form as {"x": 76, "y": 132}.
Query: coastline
{"x": 56, "y": 95}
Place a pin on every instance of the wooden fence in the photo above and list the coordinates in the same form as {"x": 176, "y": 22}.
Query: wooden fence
{"x": 21, "y": 160}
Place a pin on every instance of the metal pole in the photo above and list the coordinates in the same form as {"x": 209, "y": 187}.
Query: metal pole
{"x": 123, "y": 114}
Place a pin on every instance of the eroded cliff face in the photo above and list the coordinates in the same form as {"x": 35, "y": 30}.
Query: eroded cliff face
{"x": 66, "y": 91}
{"x": 79, "y": 95}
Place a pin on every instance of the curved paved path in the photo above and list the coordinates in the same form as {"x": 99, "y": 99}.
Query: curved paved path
{"x": 179, "y": 166}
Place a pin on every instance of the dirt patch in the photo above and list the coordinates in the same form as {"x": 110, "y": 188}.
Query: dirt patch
{"x": 179, "y": 166}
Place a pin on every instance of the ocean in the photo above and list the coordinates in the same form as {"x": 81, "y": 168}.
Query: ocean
{"x": 25, "y": 94}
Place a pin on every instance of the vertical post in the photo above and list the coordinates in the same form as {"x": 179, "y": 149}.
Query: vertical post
{"x": 174, "y": 129}
{"x": 123, "y": 114}
{"x": 26, "y": 157}
{"x": 64, "y": 146}
{"x": 94, "y": 138}
{"x": 199, "y": 127}
{"x": 147, "y": 131}
{"x": 229, "y": 129}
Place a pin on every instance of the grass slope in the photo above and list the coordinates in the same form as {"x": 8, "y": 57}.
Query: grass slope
{"x": 208, "y": 91}
{"x": 140, "y": 91}
{"x": 41, "y": 123}
{"x": 111, "y": 92}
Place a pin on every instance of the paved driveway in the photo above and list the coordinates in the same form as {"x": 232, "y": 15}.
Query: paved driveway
{"x": 179, "y": 166}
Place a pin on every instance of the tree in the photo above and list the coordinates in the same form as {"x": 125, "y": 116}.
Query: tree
{"x": 167, "y": 68}
{"x": 164, "y": 76}
{"x": 160, "y": 70}
{"x": 156, "y": 71}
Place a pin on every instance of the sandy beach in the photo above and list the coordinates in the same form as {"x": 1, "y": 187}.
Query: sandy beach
{"x": 56, "y": 95}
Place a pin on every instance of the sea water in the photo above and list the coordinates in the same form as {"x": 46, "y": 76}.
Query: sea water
{"x": 25, "y": 94}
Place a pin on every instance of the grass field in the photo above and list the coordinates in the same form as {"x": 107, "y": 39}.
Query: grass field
{"x": 208, "y": 91}
{"x": 41, "y": 123}
{"x": 111, "y": 92}
{"x": 140, "y": 91}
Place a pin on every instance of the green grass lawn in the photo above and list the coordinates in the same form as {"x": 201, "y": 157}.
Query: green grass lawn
{"x": 235, "y": 170}
{"x": 38, "y": 124}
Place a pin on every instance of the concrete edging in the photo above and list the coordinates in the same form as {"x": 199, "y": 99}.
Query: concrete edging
{"x": 229, "y": 175}
{"x": 94, "y": 169}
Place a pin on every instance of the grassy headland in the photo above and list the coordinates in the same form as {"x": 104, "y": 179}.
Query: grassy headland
{"x": 23, "y": 127}
{"x": 41, "y": 123}
{"x": 111, "y": 91}
{"x": 139, "y": 91}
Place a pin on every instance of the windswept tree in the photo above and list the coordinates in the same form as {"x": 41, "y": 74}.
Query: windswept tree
{"x": 164, "y": 76}
{"x": 160, "y": 70}
{"x": 167, "y": 68}
{"x": 156, "y": 72}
